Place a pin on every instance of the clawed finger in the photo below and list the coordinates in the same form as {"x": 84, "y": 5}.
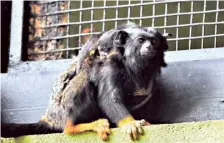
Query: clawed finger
{"x": 140, "y": 130}
{"x": 107, "y": 130}
{"x": 134, "y": 132}
{"x": 134, "y": 129}
{"x": 102, "y": 128}
{"x": 129, "y": 130}
{"x": 103, "y": 136}
{"x": 139, "y": 127}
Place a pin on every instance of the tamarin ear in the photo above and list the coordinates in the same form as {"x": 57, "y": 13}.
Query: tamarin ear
{"x": 166, "y": 35}
{"x": 121, "y": 37}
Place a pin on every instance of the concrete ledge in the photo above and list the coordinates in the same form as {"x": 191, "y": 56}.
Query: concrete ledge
{"x": 194, "y": 54}
{"x": 187, "y": 91}
{"x": 193, "y": 132}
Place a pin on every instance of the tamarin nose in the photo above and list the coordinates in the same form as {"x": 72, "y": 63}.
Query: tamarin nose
{"x": 148, "y": 44}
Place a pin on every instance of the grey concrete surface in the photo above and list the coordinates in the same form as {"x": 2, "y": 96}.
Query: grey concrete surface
{"x": 194, "y": 54}
{"x": 188, "y": 91}
{"x": 26, "y": 89}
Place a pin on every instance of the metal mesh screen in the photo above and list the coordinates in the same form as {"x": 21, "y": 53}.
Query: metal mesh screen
{"x": 194, "y": 24}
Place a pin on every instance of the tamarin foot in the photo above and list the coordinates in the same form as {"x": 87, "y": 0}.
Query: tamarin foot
{"x": 100, "y": 126}
{"x": 132, "y": 127}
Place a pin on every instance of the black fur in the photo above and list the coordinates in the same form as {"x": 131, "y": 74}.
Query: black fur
{"x": 108, "y": 86}
{"x": 15, "y": 130}
{"x": 119, "y": 78}
{"x": 77, "y": 102}
{"x": 103, "y": 42}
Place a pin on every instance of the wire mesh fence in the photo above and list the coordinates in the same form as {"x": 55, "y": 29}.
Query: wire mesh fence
{"x": 194, "y": 24}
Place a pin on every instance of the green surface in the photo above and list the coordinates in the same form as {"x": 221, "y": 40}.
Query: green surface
{"x": 194, "y": 132}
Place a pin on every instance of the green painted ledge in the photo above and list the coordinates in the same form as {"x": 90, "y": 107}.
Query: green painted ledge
{"x": 191, "y": 132}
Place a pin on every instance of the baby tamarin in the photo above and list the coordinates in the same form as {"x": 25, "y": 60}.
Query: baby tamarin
{"x": 103, "y": 42}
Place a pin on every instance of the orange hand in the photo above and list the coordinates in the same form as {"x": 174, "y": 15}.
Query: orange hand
{"x": 100, "y": 126}
{"x": 132, "y": 127}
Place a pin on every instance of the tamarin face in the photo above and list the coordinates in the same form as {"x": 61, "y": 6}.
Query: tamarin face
{"x": 105, "y": 43}
{"x": 111, "y": 39}
{"x": 145, "y": 43}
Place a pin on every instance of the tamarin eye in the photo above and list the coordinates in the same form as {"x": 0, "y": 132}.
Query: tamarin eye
{"x": 141, "y": 40}
{"x": 153, "y": 42}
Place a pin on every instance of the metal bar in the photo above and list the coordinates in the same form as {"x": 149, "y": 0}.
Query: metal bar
{"x": 196, "y": 37}
{"x": 113, "y": 7}
{"x": 57, "y": 9}
{"x": 153, "y": 14}
{"x": 203, "y": 26}
{"x": 193, "y": 24}
{"x": 91, "y": 18}
{"x": 191, "y": 20}
{"x": 45, "y": 11}
{"x": 137, "y": 18}
{"x": 165, "y": 18}
{"x": 57, "y": 50}
{"x": 177, "y": 29}
{"x": 158, "y": 27}
{"x": 104, "y": 15}
{"x": 216, "y": 20}
{"x": 171, "y": 39}
{"x": 141, "y": 11}
{"x": 129, "y": 11}
{"x": 15, "y": 50}
{"x": 80, "y": 25}
{"x": 117, "y": 3}
{"x": 67, "y": 31}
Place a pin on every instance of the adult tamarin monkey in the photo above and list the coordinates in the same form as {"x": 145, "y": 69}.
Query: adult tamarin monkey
{"x": 103, "y": 42}
{"x": 121, "y": 77}
{"x": 107, "y": 92}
